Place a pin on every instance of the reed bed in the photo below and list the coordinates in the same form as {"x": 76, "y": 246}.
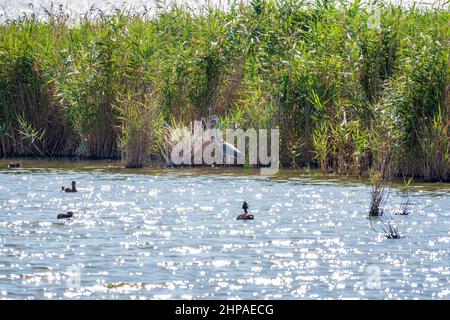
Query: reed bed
{"x": 343, "y": 80}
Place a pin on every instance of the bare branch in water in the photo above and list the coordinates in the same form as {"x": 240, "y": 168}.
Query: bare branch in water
{"x": 385, "y": 227}
{"x": 380, "y": 193}
{"x": 380, "y": 177}
{"x": 406, "y": 199}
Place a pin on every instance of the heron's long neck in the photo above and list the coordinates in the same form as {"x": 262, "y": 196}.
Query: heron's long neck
{"x": 216, "y": 132}
{"x": 217, "y": 124}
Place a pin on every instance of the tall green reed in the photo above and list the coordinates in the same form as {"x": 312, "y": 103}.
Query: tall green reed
{"x": 345, "y": 92}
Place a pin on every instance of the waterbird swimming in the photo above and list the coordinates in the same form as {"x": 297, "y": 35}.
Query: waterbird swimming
{"x": 67, "y": 215}
{"x": 73, "y": 189}
{"x": 14, "y": 165}
{"x": 245, "y": 215}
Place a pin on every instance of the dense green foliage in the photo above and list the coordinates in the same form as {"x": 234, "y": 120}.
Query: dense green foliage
{"x": 347, "y": 84}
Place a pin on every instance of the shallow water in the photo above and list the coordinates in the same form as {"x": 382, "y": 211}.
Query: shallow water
{"x": 169, "y": 234}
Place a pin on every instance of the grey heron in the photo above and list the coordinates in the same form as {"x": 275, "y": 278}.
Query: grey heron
{"x": 227, "y": 149}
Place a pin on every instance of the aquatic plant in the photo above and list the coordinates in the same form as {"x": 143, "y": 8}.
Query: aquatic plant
{"x": 406, "y": 198}
{"x": 379, "y": 193}
{"x": 378, "y": 198}
{"x": 31, "y": 136}
{"x": 320, "y": 143}
{"x": 142, "y": 130}
{"x": 386, "y": 227}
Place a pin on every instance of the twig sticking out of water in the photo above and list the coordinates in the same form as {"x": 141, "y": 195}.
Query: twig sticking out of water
{"x": 406, "y": 199}
{"x": 405, "y": 204}
{"x": 386, "y": 227}
{"x": 380, "y": 194}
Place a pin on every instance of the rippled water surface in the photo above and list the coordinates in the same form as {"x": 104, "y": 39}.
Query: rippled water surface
{"x": 171, "y": 234}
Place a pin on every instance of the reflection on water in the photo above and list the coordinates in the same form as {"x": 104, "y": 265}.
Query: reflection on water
{"x": 168, "y": 234}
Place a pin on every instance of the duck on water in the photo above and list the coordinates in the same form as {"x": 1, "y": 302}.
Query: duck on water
{"x": 14, "y": 165}
{"x": 245, "y": 215}
{"x": 67, "y": 215}
{"x": 73, "y": 189}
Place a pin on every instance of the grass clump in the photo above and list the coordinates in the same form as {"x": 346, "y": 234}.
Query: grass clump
{"x": 142, "y": 131}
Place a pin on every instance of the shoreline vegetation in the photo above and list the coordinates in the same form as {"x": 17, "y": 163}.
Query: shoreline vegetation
{"x": 350, "y": 86}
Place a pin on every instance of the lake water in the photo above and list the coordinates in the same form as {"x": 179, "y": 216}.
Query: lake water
{"x": 172, "y": 234}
